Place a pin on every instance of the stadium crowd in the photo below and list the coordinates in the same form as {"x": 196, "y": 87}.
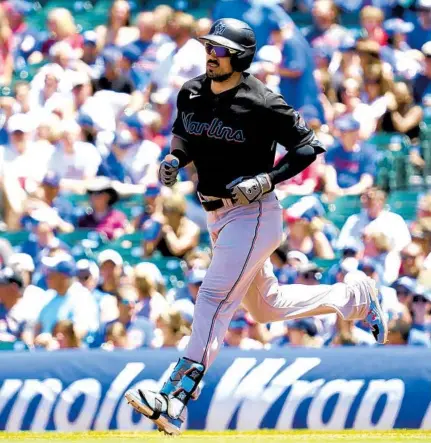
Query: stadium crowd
{"x": 95, "y": 254}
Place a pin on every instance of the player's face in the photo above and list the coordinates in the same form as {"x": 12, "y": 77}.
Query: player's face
{"x": 219, "y": 67}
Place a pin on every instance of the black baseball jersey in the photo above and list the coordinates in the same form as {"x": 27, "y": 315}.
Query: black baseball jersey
{"x": 234, "y": 134}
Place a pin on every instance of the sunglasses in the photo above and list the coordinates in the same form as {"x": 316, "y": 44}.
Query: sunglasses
{"x": 219, "y": 51}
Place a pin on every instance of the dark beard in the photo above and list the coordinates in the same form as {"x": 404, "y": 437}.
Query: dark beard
{"x": 220, "y": 78}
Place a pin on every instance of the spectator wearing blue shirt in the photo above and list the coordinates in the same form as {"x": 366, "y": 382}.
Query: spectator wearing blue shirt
{"x": 422, "y": 25}
{"x": 147, "y": 47}
{"x": 350, "y": 165}
{"x": 263, "y": 18}
{"x": 152, "y": 205}
{"x": 93, "y": 62}
{"x": 69, "y": 300}
{"x": 43, "y": 238}
{"x": 421, "y": 305}
{"x": 62, "y": 209}
{"x": 325, "y": 31}
{"x": 297, "y": 83}
{"x": 300, "y": 332}
{"x": 397, "y": 52}
{"x": 422, "y": 83}
{"x": 401, "y": 334}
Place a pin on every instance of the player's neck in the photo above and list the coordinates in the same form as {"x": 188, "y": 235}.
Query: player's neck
{"x": 231, "y": 82}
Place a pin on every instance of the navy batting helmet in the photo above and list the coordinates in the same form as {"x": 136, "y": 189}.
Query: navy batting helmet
{"x": 237, "y": 35}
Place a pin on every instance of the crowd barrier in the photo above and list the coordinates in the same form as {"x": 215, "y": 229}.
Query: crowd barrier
{"x": 380, "y": 388}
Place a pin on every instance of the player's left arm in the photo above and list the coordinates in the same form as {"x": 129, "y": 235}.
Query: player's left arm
{"x": 287, "y": 128}
{"x": 290, "y": 130}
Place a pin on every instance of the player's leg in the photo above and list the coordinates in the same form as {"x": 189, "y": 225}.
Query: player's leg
{"x": 267, "y": 301}
{"x": 246, "y": 236}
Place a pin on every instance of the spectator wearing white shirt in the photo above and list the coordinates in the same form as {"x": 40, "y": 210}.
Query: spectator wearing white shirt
{"x": 376, "y": 217}
{"x": 69, "y": 300}
{"x": 21, "y": 166}
{"x": 184, "y": 59}
{"x": 74, "y": 159}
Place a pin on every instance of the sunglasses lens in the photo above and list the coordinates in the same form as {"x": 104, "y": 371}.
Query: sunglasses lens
{"x": 219, "y": 51}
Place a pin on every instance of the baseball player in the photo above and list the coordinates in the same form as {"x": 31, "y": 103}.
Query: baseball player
{"x": 228, "y": 124}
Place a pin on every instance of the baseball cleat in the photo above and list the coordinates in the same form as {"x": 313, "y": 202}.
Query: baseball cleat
{"x": 154, "y": 406}
{"x": 375, "y": 316}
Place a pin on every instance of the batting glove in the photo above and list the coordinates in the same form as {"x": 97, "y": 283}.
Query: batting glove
{"x": 168, "y": 171}
{"x": 248, "y": 190}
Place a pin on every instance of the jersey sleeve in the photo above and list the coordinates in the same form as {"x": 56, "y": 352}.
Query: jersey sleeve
{"x": 286, "y": 125}
{"x": 178, "y": 128}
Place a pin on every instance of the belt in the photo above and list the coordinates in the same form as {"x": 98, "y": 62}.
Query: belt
{"x": 212, "y": 203}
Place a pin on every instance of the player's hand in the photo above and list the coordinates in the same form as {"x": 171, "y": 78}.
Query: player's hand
{"x": 168, "y": 171}
{"x": 248, "y": 190}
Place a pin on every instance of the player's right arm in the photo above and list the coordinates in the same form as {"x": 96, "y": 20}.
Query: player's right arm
{"x": 179, "y": 153}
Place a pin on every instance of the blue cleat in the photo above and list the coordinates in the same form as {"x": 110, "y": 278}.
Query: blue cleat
{"x": 375, "y": 317}
{"x": 155, "y": 406}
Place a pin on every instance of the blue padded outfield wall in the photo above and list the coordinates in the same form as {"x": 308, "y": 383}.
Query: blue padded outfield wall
{"x": 379, "y": 388}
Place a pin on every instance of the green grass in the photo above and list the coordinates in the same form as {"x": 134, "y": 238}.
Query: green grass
{"x": 222, "y": 437}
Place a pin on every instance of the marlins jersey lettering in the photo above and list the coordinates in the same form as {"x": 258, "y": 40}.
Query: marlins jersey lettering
{"x": 234, "y": 133}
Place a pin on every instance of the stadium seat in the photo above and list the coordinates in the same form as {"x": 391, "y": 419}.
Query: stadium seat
{"x": 85, "y": 237}
{"x": 404, "y": 203}
{"x": 394, "y": 168}
{"x": 290, "y": 200}
{"x": 15, "y": 238}
{"x": 326, "y": 263}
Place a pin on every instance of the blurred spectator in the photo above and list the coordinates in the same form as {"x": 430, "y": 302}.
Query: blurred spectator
{"x": 402, "y": 116}
{"x": 152, "y": 205}
{"x": 422, "y": 82}
{"x": 112, "y": 78}
{"x": 285, "y": 263}
{"x": 47, "y": 198}
{"x": 22, "y": 97}
{"x": 350, "y": 165}
{"x": 44, "y": 239}
{"x": 300, "y": 332}
{"x": 173, "y": 328}
{"x": 118, "y": 31}
{"x": 148, "y": 48}
{"x": 150, "y": 303}
{"x": 401, "y": 334}
{"x": 376, "y": 89}
{"x": 73, "y": 158}
{"x": 189, "y": 293}
{"x": 325, "y": 31}
{"x": 6, "y": 47}
{"x": 11, "y": 285}
{"x": 375, "y": 216}
{"x": 237, "y": 336}
{"x": 307, "y": 228}
{"x": 69, "y": 301}
{"x": 372, "y": 20}
{"x": 203, "y": 26}
{"x": 422, "y": 25}
{"x": 309, "y": 274}
{"x": 264, "y": 17}
{"x": 378, "y": 249}
{"x": 412, "y": 259}
{"x": 347, "y": 334}
{"x": 25, "y": 40}
{"x": 404, "y": 288}
{"x": 91, "y": 58}
{"x": 397, "y": 53}
{"x": 115, "y": 337}
{"x": 103, "y": 217}
{"x": 181, "y": 60}
{"x": 177, "y": 234}
{"x": 139, "y": 330}
{"x": 111, "y": 271}
{"x": 297, "y": 83}
{"x": 61, "y": 26}
{"x": 65, "y": 336}
{"x": 137, "y": 155}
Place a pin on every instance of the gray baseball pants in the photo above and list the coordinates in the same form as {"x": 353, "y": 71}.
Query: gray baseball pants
{"x": 243, "y": 239}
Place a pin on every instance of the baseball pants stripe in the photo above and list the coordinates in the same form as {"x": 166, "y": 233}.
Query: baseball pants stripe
{"x": 244, "y": 237}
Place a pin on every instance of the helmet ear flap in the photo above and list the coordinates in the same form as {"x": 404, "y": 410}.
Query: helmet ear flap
{"x": 242, "y": 60}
